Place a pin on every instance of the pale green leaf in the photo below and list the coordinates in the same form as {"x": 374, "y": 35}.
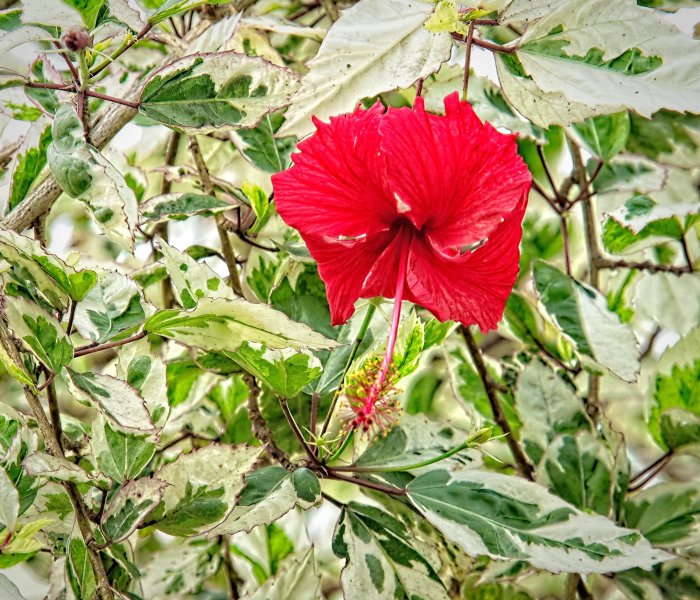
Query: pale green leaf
{"x": 506, "y": 517}
{"x": 672, "y": 301}
{"x": 529, "y": 10}
{"x": 363, "y": 55}
{"x": 9, "y": 502}
{"x": 179, "y": 207}
{"x": 203, "y": 486}
{"x": 582, "y": 313}
{"x": 640, "y": 211}
{"x": 380, "y": 561}
{"x": 40, "y": 464}
{"x": 606, "y": 135}
{"x": 270, "y": 493}
{"x": 299, "y": 580}
{"x": 31, "y": 159}
{"x": 119, "y": 455}
{"x": 218, "y": 91}
{"x": 39, "y": 332}
{"x": 130, "y": 507}
{"x": 114, "y": 398}
{"x": 8, "y": 590}
{"x": 220, "y": 324}
{"x": 170, "y": 8}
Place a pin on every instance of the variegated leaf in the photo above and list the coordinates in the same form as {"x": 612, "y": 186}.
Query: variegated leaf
{"x": 59, "y": 469}
{"x": 130, "y": 507}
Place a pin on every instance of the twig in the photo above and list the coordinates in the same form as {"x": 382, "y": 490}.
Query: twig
{"x": 83, "y": 350}
{"x": 548, "y": 173}
{"x": 297, "y": 433}
{"x": 331, "y": 9}
{"x": 604, "y": 263}
{"x": 522, "y": 464}
{"x": 469, "y": 38}
{"x": 54, "y": 413}
{"x": 121, "y": 101}
{"x": 119, "y": 51}
{"x": 260, "y": 428}
{"x": 71, "y": 317}
{"x": 68, "y": 61}
{"x": 686, "y": 253}
{"x": 565, "y": 241}
{"x": 487, "y": 45}
{"x": 648, "y": 473}
{"x": 394, "y": 491}
{"x": 314, "y": 414}
{"x": 232, "y": 579}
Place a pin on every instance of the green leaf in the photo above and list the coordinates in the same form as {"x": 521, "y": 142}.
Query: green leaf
{"x": 640, "y": 212}
{"x": 605, "y": 136}
{"x": 506, "y": 517}
{"x": 220, "y": 324}
{"x": 410, "y": 342}
{"x": 114, "y": 398}
{"x": 208, "y": 92}
{"x": 349, "y": 67}
{"x": 40, "y": 333}
{"x": 675, "y": 415}
{"x": 83, "y": 173}
{"x": 28, "y": 167}
{"x": 668, "y": 137}
{"x": 646, "y": 63}
{"x": 119, "y": 455}
{"x": 115, "y": 305}
{"x": 260, "y": 146}
{"x": 269, "y": 494}
{"x": 191, "y": 280}
{"x": 79, "y": 569}
{"x": 380, "y": 561}
{"x": 299, "y": 581}
{"x": 582, "y": 314}
{"x": 547, "y": 406}
{"x": 417, "y": 439}
{"x": 9, "y": 502}
{"x": 43, "y": 274}
{"x": 87, "y": 9}
{"x": 179, "y": 207}
{"x": 203, "y": 487}
{"x": 260, "y": 204}
{"x": 668, "y": 514}
{"x": 40, "y": 464}
{"x": 170, "y": 8}
{"x": 286, "y": 371}
{"x": 674, "y": 580}
{"x": 130, "y": 507}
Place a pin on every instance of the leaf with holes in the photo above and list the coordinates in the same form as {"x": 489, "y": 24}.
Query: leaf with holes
{"x": 214, "y": 92}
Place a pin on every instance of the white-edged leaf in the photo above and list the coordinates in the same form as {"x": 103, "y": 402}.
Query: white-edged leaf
{"x": 39, "y": 332}
{"x": 22, "y": 35}
{"x": 9, "y": 502}
{"x": 299, "y": 580}
{"x": 203, "y": 487}
{"x": 529, "y": 10}
{"x": 363, "y": 54}
{"x": 658, "y": 66}
{"x": 119, "y": 455}
{"x": 113, "y": 306}
{"x": 672, "y": 301}
{"x": 270, "y": 493}
{"x": 178, "y": 207}
{"x": 506, "y": 517}
{"x": 83, "y": 173}
{"x": 220, "y": 324}
{"x": 639, "y": 211}
{"x": 115, "y": 398}
{"x": 380, "y": 561}
{"x": 190, "y": 279}
{"x": 59, "y": 469}
{"x": 582, "y": 313}
{"x": 43, "y": 273}
{"x": 130, "y": 507}
{"x": 217, "y": 91}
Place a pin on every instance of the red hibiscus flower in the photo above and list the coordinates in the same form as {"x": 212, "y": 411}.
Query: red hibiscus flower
{"x": 405, "y": 204}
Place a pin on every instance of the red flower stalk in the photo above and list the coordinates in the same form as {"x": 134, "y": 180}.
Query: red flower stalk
{"x": 410, "y": 205}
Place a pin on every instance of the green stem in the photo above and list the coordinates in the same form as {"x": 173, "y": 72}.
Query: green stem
{"x": 339, "y": 452}
{"x": 126, "y": 44}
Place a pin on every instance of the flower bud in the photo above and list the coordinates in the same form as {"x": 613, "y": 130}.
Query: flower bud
{"x": 76, "y": 39}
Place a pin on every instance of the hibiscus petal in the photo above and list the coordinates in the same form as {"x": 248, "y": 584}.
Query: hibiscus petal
{"x": 336, "y": 186}
{"x": 344, "y": 266}
{"x": 455, "y": 176}
{"x": 470, "y": 288}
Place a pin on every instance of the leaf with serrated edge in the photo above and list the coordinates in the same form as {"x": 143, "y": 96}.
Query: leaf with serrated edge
{"x": 9, "y": 502}
{"x": 269, "y": 494}
{"x": 179, "y": 207}
{"x": 115, "y": 398}
{"x": 119, "y": 455}
{"x": 582, "y": 313}
{"x": 299, "y": 581}
{"x": 241, "y": 90}
{"x": 380, "y": 563}
{"x": 672, "y": 301}
{"x": 220, "y": 324}
{"x": 364, "y": 54}
{"x": 44, "y": 270}
{"x": 214, "y": 468}
{"x": 615, "y": 28}
{"x": 39, "y": 332}
{"x": 506, "y": 517}
{"x": 131, "y": 506}
{"x": 59, "y": 469}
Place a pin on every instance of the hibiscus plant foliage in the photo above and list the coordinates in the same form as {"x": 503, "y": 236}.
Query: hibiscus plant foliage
{"x": 375, "y": 299}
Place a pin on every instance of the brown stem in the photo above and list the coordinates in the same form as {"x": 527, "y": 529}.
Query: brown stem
{"x": 521, "y": 462}
{"x": 83, "y": 350}
{"x": 565, "y": 241}
{"x": 648, "y": 473}
{"x": 121, "y": 101}
{"x": 686, "y": 253}
{"x": 71, "y": 317}
{"x": 226, "y": 247}
{"x": 314, "y": 413}
{"x": 297, "y": 432}
{"x": 232, "y": 579}
{"x": 469, "y": 38}
{"x": 548, "y": 173}
{"x": 394, "y": 491}
{"x": 55, "y": 413}
{"x": 260, "y": 428}
{"x": 63, "y": 87}
{"x": 68, "y": 61}
{"x": 488, "y": 45}
{"x": 604, "y": 263}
